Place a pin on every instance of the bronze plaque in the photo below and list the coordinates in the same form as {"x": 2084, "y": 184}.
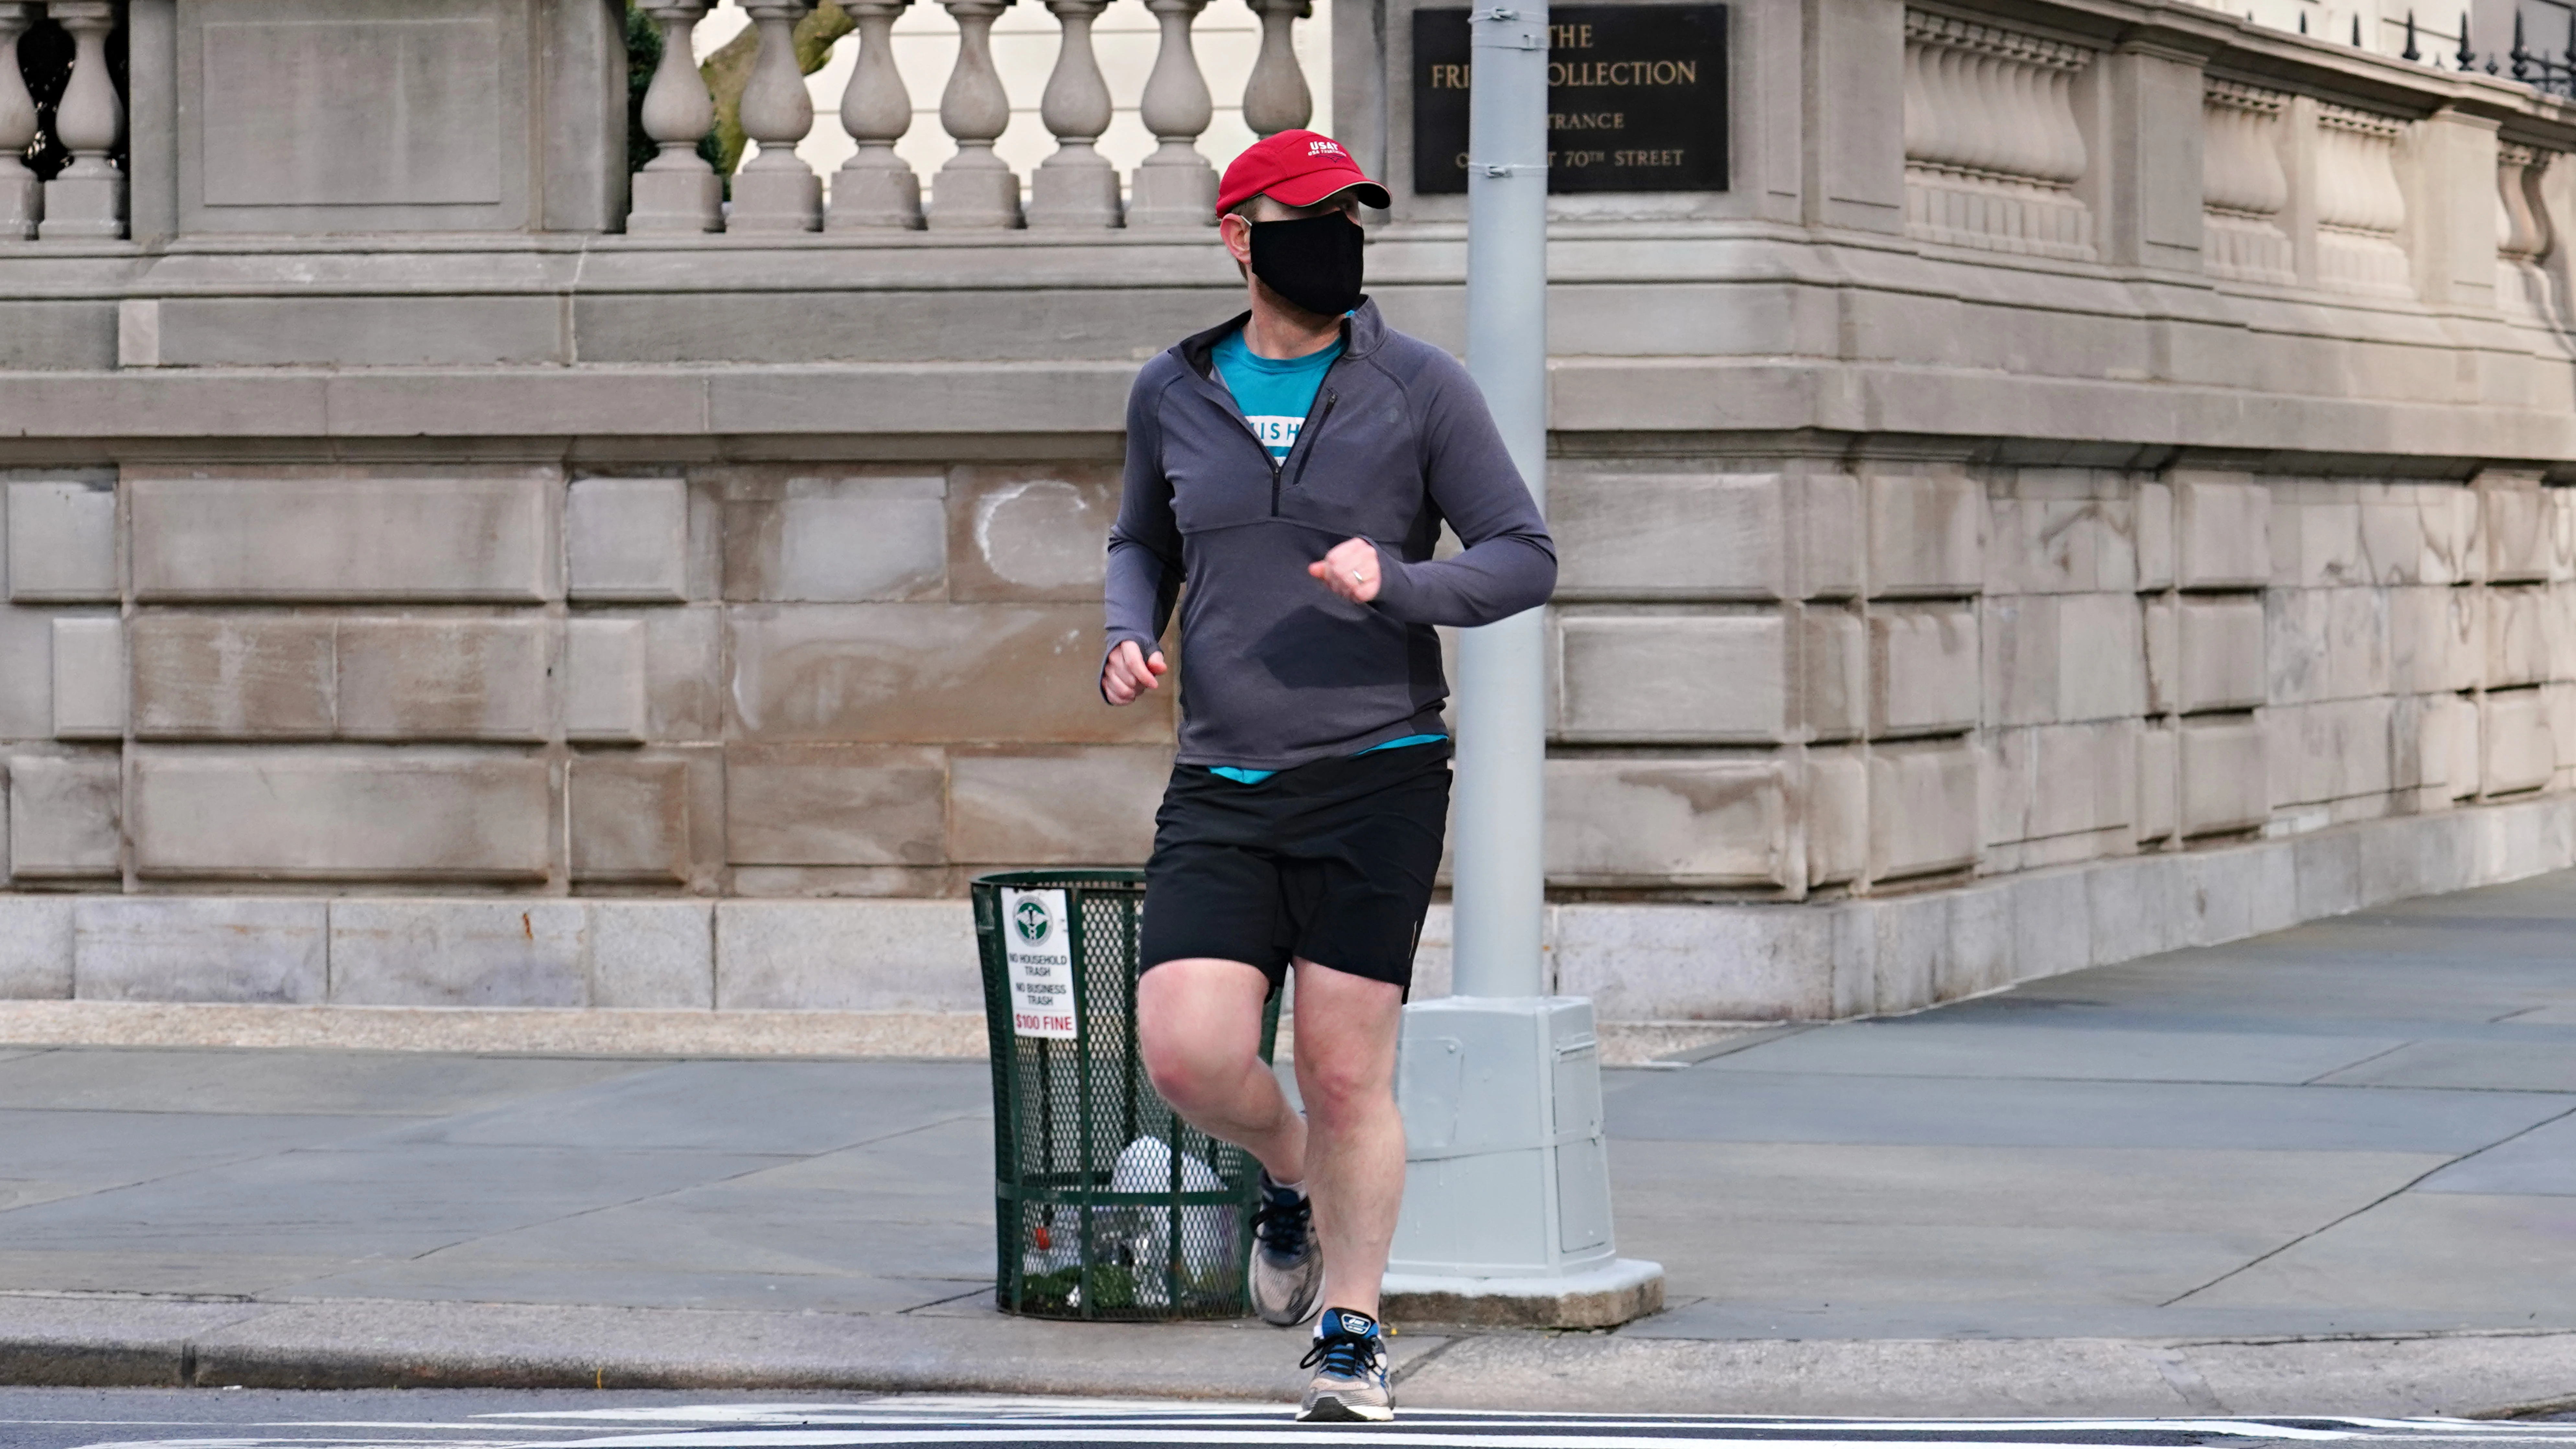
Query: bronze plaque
{"x": 1636, "y": 98}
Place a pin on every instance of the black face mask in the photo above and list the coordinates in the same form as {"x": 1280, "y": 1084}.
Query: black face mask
{"x": 1314, "y": 262}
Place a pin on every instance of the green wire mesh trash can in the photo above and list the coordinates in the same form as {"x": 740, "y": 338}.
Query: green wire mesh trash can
{"x": 1106, "y": 1205}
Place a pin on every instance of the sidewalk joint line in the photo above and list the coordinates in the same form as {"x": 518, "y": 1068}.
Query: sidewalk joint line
{"x": 2319, "y": 1080}
{"x": 2400, "y": 1190}
{"x": 1415, "y": 1365}
{"x": 974, "y": 1292}
{"x": 1756, "y": 1037}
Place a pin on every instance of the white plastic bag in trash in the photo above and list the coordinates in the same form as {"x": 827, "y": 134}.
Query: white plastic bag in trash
{"x": 1207, "y": 1233}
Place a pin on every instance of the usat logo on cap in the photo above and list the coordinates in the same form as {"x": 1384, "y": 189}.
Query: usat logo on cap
{"x": 1297, "y": 168}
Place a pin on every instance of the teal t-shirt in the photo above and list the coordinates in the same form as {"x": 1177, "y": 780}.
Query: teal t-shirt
{"x": 1275, "y": 396}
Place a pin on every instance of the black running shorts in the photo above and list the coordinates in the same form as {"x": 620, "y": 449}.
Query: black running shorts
{"x": 1331, "y": 861}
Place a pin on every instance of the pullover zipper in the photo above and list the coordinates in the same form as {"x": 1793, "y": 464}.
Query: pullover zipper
{"x": 1314, "y": 420}
{"x": 1317, "y": 426}
{"x": 1297, "y": 452}
{"x": 1234, "y": 405}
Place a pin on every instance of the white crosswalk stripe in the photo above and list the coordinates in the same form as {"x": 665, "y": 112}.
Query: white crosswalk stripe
{"x": 947, "y": 1420}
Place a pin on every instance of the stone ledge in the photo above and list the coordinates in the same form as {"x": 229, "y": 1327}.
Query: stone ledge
{"x": 1642, "y": 963}
{"x": 616, "y": 413}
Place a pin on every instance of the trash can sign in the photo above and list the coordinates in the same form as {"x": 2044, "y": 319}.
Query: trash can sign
{"x": 1040, "y": 954}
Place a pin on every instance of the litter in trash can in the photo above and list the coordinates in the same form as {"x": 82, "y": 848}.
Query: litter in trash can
{"x": 1106, "y": 1204}
{"x": 1206, "y": 1232}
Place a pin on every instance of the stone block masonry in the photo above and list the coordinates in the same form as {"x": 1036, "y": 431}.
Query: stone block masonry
{"x": 1964, "y": 577}
{"x": 1639, "y": 960}
{"x": 292, "y": 535}
{"x": 585, "y": 718}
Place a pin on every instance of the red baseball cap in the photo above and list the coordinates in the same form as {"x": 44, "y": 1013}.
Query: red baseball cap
{"x": 1299, "y": 168}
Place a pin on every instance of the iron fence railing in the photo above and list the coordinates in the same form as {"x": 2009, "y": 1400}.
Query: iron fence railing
{"x": 2551, "y": 75}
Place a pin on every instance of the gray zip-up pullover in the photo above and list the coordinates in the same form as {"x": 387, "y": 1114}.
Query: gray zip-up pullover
{"x": 1276, "y": 670}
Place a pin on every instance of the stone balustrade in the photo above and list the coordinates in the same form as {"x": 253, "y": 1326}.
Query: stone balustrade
{"x": 2000, "y": 129}
{"x": 1075, "y": 189}
{"x": 676, "y": 191}
{"x": 2094, "y": 482}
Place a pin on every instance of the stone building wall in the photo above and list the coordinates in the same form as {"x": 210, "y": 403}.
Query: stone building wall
{"x": 1976, "y": 563}
{"x": 395, "y": 688}
{"x": 773, "y": 680}
{"x": 1900, "y": 675}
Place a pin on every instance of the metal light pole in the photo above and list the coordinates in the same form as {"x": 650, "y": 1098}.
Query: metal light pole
{"x": 1507, "y": 1189}
{"x": 1502, "y": 689}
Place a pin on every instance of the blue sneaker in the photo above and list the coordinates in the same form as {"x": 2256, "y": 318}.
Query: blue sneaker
{"x": 1349, "y": 1360}
{"x": 1287, "y": 1270}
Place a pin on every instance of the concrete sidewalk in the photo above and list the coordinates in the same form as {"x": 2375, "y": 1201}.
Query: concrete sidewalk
{"x": 2328, "y": 1170}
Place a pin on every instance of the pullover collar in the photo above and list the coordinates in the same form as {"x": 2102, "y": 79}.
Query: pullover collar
{"x": 1362, "y": 331}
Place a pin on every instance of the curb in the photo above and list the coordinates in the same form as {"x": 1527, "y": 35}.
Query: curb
{"x": 129, "y": 1342}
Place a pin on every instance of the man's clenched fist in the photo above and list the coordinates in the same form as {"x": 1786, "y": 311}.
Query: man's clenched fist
{"x": 1350, "y": 570}
{"x": 1130, "y": 673}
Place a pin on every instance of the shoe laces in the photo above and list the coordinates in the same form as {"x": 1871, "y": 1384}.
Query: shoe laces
{"x": 1282, "y": 1222}
{"x": 1344, "y": 1355}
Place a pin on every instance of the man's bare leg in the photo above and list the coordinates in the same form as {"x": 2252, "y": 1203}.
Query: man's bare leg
{"x": 1346, "y": 1032}
{"x": 1199, "y": 1023}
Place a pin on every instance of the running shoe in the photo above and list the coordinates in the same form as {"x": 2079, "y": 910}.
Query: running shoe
{"x": 1349, "y": 1360}
{"x": 1287, "y": 1269}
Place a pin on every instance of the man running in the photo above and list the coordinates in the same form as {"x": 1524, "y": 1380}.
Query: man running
{"x": 1294, "y": 466}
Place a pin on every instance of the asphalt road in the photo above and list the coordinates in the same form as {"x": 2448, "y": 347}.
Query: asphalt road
{"x": 256, "y": 1419}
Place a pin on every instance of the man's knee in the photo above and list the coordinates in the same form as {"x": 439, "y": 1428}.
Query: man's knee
{"x": 1187, "y": 1030}
{"x": 1178, "y": 1062}
{"x": 1345, "y": 1089}
{"x": 1346, "y": 1031}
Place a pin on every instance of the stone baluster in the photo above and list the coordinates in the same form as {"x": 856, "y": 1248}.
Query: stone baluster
{"x": 2361, "y": 207}
{"x": 875, "y": 187}
{"x": 677, "y": 191}
{"x": 775, "y": 190}
{"x": 1075, "y": 187}
{"x": 87, "y": 199}
{"x": 2522, "y": 223}
{"x": 2523, "y": 233}
{"x": 1275, "y": 98}
{"x": 22, "y": 197}
{"x": 976, "y": 188}
{"x": 2243, "y": 187}
{"x": 1175, "y": 186}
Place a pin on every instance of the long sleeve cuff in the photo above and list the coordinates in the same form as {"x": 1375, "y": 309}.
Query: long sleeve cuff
{"x": 1100, "y": 676}
{"x": 1397, "y": 593}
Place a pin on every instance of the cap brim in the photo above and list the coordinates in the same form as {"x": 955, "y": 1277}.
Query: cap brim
{"x": 1314, "y": 186}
